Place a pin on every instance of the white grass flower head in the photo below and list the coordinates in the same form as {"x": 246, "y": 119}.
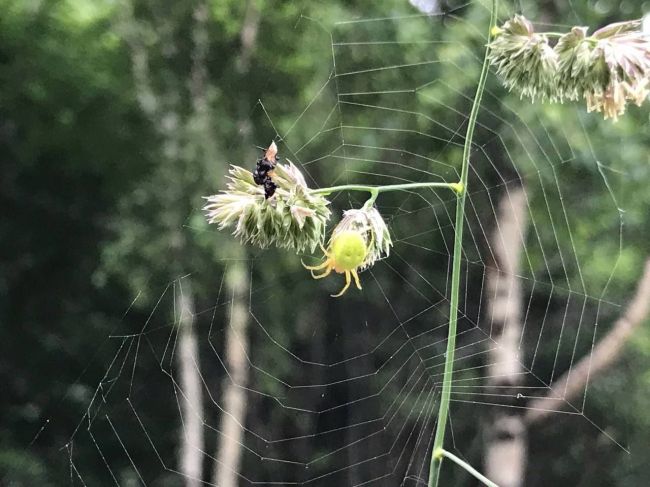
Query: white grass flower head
{"x": 608, "y": 69}
{"x": 357, "y": 242}
{"x": 578, "y": 69}
{"x": 626, "y": 53}
{"x": 523, "y": 59}
{"x": 292, "y": 218}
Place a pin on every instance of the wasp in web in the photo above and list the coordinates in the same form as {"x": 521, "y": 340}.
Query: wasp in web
{"x": 263, "y": 173}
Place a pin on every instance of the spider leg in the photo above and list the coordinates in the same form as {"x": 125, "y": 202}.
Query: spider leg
{"x": 356, "y": 278}
{"x": 323, "y": 248}
{"x": 324, "y": 274}
{"x": 314, "y": 267}
{"x": 345, "y": 288}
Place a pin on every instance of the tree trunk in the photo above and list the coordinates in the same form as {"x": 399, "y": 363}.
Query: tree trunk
{"x": 234, "y": 392}
{"x": 573, "y": 383}
{"x": 229, "y": 444}
{"x": 505, "y": 432}
{"x": 191, "y": 397}
{"x": 162, "y": 108}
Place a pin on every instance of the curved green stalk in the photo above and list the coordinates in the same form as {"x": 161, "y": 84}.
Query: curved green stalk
{"x": 458, "y": 461}
{"x": 383, "y": 189}
{"x": 443, "y": 414}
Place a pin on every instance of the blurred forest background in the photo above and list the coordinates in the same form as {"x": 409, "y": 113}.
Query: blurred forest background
{"x": 129, "y": 326}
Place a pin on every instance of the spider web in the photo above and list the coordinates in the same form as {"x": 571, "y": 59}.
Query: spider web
{"x": 345, "y": 392}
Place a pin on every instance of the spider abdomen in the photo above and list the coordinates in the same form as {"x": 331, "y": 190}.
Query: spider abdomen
{"x": 347, "y": 251}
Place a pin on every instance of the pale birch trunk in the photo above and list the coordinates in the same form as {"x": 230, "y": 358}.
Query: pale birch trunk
{"x": 505, "y": 433}
{"x": 227, "y": 466}
{"x": 229, "y": 443}
{"x": 191, "y": 397}
{"x": 572, "y": 384}
{"x": 162, "y": 108}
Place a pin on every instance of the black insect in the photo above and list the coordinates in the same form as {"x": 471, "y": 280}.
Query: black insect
{"x": 263, "y": 173}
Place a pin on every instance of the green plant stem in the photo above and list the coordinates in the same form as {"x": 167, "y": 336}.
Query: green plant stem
{"x": 374, "y": 190}
{"x": 445, "y": 397}
{"x": 444, "y": 453}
